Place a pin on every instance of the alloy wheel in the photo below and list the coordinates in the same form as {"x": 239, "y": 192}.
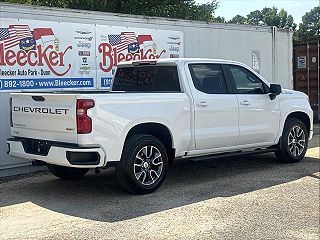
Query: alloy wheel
{"x": 148, "y": 165}
{"x": 296, "y": 141}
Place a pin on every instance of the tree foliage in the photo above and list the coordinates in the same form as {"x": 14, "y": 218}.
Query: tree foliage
{"x": 238, "y": 19}
{"x": 188, "y": 9}
{"x": 183, "y": 9}
{"x": 266, "y": 17}
{"x": 309, "y": 28}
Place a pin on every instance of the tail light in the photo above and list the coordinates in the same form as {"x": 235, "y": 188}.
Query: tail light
{"x": 84, "y": 122}
{"x": 10, "y": 103}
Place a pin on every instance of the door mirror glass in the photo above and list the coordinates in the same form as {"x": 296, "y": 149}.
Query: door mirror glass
{"x": 275, "y": 90}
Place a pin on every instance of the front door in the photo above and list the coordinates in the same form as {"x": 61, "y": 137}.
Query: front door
{"x": 259, "y": 116}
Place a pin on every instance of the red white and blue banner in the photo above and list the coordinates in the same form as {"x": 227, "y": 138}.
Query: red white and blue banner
{"x": 116, "y": 44}
{"x": 56, "y": 55}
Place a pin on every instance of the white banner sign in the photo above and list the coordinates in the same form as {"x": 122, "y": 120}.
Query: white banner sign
{"x": 117, "y": 44}
{"x": 55, "y": 55}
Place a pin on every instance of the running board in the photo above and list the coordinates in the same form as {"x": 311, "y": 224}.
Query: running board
{"x": 232, "y": 154}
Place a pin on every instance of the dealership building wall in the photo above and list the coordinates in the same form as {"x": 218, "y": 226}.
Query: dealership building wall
{"x": 271, "y": 47}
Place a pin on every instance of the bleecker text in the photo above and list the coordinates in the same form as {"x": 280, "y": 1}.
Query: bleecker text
{"x": 39, "y": 57}
{"x": 111, "y": 57}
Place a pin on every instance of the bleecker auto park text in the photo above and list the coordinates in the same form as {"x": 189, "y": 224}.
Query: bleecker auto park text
{"x": 22, "y": 72}
{"x": 39, "y": 57}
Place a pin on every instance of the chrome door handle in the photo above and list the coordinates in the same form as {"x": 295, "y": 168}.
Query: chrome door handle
{"x": 245, "y": 103}
{"x": 202, "y": 104}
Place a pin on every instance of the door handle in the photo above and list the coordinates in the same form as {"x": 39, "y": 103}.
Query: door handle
{"x": 244, "y": 103}
{"x": 202, "y": 104}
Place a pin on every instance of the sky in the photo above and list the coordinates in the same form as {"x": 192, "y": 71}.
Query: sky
{"x": 229, "y": 8}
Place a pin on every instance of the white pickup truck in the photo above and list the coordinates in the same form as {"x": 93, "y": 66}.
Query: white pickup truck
{"x": 158, "y": 111}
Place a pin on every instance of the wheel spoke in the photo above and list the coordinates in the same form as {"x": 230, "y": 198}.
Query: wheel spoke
{"x": 300, "y": 132}
{"x": 150, "y": 175}
{"x": 150, "y": 153}
{"x": 290, "y": 135}
{"x": 138, "y": 175}
{"x": 144, "y": 177}
{"x": 157, "y": 156}
{"x": 157, "y": 163}
{"x": 144, "y": 150}
{"x": 296, "y": 151}
{"x": 155, "y": 173}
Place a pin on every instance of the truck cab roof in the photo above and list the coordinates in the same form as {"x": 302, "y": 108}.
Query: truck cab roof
{"x": 176, "y": 61}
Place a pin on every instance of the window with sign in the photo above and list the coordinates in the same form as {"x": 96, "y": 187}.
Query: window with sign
{"x": 147, "y": 79}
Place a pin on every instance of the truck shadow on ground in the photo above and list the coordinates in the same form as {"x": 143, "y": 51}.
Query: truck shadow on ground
{"x": 99, "y": 197}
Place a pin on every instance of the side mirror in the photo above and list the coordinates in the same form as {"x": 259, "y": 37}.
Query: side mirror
{"x": 275, "y": 90}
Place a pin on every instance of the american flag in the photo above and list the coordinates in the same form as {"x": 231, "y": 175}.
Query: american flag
{"x": 11, "y": 36}
{"x": 121, "y": 41}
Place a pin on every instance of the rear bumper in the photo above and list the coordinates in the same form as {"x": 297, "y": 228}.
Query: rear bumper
{"x": 69, "y": 156}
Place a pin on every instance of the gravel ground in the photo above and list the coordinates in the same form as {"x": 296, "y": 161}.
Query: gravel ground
{"x": 233, "y": 198}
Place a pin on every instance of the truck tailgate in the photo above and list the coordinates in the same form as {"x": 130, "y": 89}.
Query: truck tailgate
{"x": 47, "y": 116}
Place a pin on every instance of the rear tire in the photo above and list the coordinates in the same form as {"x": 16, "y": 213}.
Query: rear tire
{"x": 293, "y": 143}
{"x": 67, "y": 173}
{"x": 143, "y": 165}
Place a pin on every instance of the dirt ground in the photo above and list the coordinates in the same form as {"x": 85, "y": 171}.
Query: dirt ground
{"x": 232, "y": 198}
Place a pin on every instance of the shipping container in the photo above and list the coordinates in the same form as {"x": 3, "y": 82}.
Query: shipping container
{"x": 306, "y": 72}
{"x": 86, "y": 46}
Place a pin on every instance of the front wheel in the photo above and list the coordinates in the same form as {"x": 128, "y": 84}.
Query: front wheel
{"x": 143, "y": 165}
{"x": 67, "y": 173}
{"x": 293, "y": 144}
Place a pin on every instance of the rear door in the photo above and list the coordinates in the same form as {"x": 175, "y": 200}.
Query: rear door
{"x": 216, "y": 111}
{"x": 44, "y": 116}
{"x": 259, "y": 116}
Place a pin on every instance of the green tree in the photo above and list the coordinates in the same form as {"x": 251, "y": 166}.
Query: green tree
{"x": 184, "y": 9}
{"x": 266, "y": 17}
{"x": 220, "y": 19}
{"x": 255, "y": 18}
{"x": 271, "y": 17}
{"x": 309, "y": 28}
{"x": 238, "y": 19}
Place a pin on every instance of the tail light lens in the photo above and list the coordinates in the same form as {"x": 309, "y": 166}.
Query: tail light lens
{"x": 84, "y": 122}
{"x": 10, "y": 103}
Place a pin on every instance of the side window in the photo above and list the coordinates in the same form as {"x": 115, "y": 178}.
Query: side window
{"x": 246, "y": 82}
{"x": 208, "y": 78}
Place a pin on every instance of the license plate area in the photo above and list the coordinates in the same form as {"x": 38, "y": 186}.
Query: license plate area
{"x": 36, "y": 147}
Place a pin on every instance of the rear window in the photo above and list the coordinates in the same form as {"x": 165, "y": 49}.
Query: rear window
{"x": 147, "y": 79}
